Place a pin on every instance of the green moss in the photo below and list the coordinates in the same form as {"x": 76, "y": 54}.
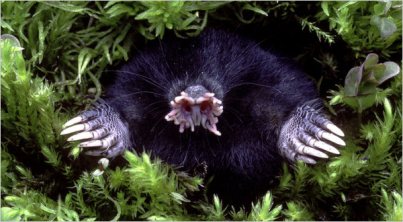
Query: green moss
{"x": 61, "y": 49}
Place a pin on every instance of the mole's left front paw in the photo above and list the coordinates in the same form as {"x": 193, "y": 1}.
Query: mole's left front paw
{"x": 308, "y": 135}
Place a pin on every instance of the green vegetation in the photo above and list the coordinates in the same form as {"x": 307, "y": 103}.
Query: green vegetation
{"x": 360, "y": 87}
{"x": 54, "y": 54}
{"x": 350, "y": 21}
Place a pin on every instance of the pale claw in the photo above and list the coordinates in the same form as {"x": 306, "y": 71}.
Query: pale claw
{"x": 73, "y": 129}
{"x": 73, "y": 121}
{"x": 334, "y": 129}
{"x": 92, "y": 143}
{"x": 96, "y": 134}
{"x": 109, "y": 153}
{"x": 333, "y": 138}
{"x": 306, "y": 159}
{"x": 313, "y": 142}
{"x": 326, "y": 147}
{"x": 104, "y": 143}
{"x": 306, "y": 150}
{"x": 81, "y": 136}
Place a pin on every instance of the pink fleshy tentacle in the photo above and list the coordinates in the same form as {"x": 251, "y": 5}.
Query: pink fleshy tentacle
{"x": 213, "y": 128}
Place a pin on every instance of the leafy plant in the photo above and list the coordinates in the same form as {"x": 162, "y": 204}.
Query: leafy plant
{"x": 322, "y": 35}
{"x": 181, "y": 16}
{"x": 32, "y": 205}
{"x": 296, "y": 212}
{"x": 350, "y": 21}
{"x": 28, "y": 107}
{"x": 392, "y": 205}
{"x": 360, "y": 86}
{"x": 68, "y": 46}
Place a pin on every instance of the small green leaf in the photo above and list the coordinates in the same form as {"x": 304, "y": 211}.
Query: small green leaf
{"x": 366, "y": 101}
{"x": 335, "y": 100}
{"x": 392, "y": 69}
{"x": 25, "y": 172}
{"x": 169, "y": 25}
{"x": 51, "y": 155}
{"x": 388, "y": 108}
{"x": 66, "y": 6}
{"x": 14, "y": 41}
{"x": 142, "y": 16}
{"x": 296, "y": 212}
{"x": 41, "y": 40}
{"x": 379, "y": 9}
{"x": 179, "y": 198}
{"x": 84, "y": 59}
{"x": 263, "y": 209}
{"x": 10, "y": 214}
{"x": 325, "y": 8}
{"x": 131, "y": 157}
{"x": 360, "y": 103}
{"x": 352, "y": 81}
{"x": 107, "y": 54}
{"x": 120, "y": 9}
{"x": 371, "y": 60}
{"x": 157, "y": 218}
{"x": 123, "y": 52}
{"x": 386, "y": 26}
{"x": 12, "y": 199}
{"x": 47, "y": 209}
{"x": 75, "y": 152}
{"x": 343, "y": 197}
{"x": 97, "y": 173}
{"x": 368, "y": 88}
{"x": 5, "y": 25}
{"x": 377, "y": 72}
{"x": 121, "y": 35}
{"x": 254, "y": 9}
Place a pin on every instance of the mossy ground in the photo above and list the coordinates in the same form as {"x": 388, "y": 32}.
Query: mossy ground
{"x": 67, "y": 46}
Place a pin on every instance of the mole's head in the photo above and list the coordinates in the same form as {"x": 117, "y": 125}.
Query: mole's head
{"x": 195, "y": 106}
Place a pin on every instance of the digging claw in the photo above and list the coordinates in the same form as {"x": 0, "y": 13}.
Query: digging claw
{"x": 73, "y": 121}
{"x": 73, "y": 129}
{"x": 308, "y": 135}
{"x": 100, "y": 131}
{"x": 334, "y": 129}
{"x": 81, "y": 136}
{"x": 333, "y": 138}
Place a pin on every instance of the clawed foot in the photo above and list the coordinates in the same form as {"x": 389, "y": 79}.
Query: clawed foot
{"x": 308, "y": 135}
{"x": 100, "y": 131}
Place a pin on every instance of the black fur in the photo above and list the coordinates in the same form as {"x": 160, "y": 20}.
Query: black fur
{"x": 259, "y": 91}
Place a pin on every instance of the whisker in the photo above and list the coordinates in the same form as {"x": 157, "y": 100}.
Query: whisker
{"x": 235, "y": 60}
{"x": 252, "y": 84}
{"x": 145, "y": 78}
{"x": 235, "y": 113}
{"x": 158, "y": 108}
{"x": 187, "y": 150}
{"x": 154, "y": 103}
{"x": 224, "y": 121}
{"x": 165, "y": 58}
{"x": 182, "y": 164}
{"x": 155, "y": 125}
{"x": 135, "y": 93}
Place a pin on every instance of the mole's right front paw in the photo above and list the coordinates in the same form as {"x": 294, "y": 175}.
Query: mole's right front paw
{"x": 99, "y": 130}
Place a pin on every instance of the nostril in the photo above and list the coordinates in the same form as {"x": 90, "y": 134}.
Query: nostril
{"x": 204, "y": 106}
{"x": 188, "y": 108}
